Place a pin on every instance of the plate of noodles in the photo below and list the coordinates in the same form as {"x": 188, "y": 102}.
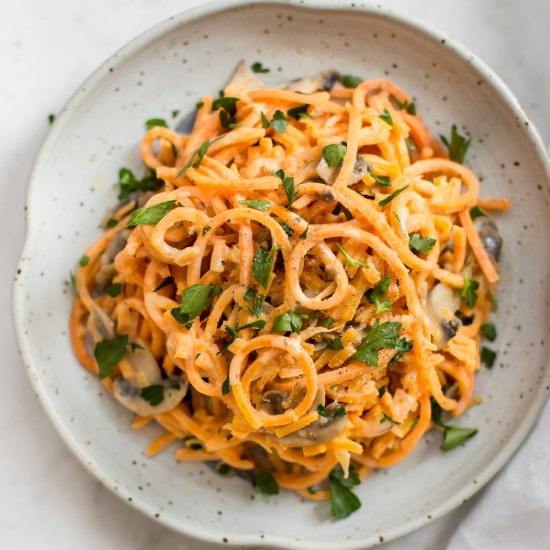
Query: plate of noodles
{"x": 283, "y": 281}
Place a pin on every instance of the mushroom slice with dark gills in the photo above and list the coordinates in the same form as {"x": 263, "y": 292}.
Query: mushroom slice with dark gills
{"x": 442, "y": 304}
{"x": 323, "y": 430}
{"x": 329, "y": 174}
{"x": 107, "y": 271}
{"x": 324, "y": 81}
{"x": 166, "y": 393}
{"x": 490, "y": 237}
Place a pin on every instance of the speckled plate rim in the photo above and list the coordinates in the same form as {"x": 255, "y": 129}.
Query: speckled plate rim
{"x": 118, "y": 58}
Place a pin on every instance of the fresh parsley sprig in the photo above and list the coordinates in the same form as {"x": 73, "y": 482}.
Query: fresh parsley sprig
{"x": 150, "y": 215}
{"x": 194, "y": 300}
{"x": 109, "y": 352}
{"x": 352, "y": 262}
{"x": 288, "y": 186}
{"x": 468, "y": 292}
{"x": 457, "y": 145}
{"x": 343, "y": 501}
{"x": 377, "y": 295}
{"x": 334, "y": 153}
{"x": 289, "y": 321}
{"x": 452, "y": 435}
{"x": 262, "y": 264}
{"x": 421, "y": 244}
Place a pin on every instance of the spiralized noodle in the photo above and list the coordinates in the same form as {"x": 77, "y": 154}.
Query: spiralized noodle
{"x": 365, "y": 242}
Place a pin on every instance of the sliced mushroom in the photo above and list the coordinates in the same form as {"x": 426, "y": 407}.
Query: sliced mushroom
{"x": 273, "y": 402}
{"x": 324, "y": 429}
{"x": 490, "y": 237}
{"x": 442, "y": 305}
{"x": 329, "y": 174}
{"x": 107, "y": 270}
{"x": 102, "y": 325}
{"x": 323, "y": 81}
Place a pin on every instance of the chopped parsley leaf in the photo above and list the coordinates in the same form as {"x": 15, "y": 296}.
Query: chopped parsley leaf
{"x": 468, "y": 292}
{"x": 421, "y": 244}
{"x": 334, "y": 153}
{"x": 352, "y": 262}
{"x": 109, "y": 352}
{"x": 377, "y": 295}
{"x": 457, "y": 145}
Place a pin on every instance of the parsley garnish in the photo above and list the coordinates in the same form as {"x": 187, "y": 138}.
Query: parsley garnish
{"x": 199, "y": 104}
{"x": 175, "y": 113}
{"x": 488, "y": 357}
{"x": 476, "y": 212}
{"x": 114, "y": 289}
{"x": 261, "y": 265}
{"x": 128, "y": 183}
{"x": 266, "y": 483}
{"x": 493, "y": 300}
{"x": 194, "y": 300}
{"x": 84, "y": 260}
{"x": 341, "y": 208}
{"x": 377, "y": 295}
{"x": 165, "y": 282}
{"x": 454, "y": 436}
{"x": 299, "y": 112}
{"x": 304, "y": 234}
{"x": 343, "y": 501}
{"x": 51, "y": 118}
{"x": 387, "y": 418}
{"x": 228, "y": 109}
{"x": 328, "y": 321}
{"x": 386, "y": 117}
{"x": 334, "y": 344}
{"x": 468, "y": 292}
{"x": 279, "y": 122}
{"x": 421, "y": 244}
{"x": 265, "y": 121}
{"x": 108, "y": 354}
{"x": 289, "y": 322}
{"x": 334, "y": 153}
{"x": 288, "y": 186}
{"x": 111, "y": 222}
{"x": 352, "y": 262}
{"x": 234, "y": 331}
{"x": 73, "y": 285}
{"x": 226, "y": 386}
{"x": 384, "y": 181}
{"x": 150, "y": 215}
{"x": 406, "y": 106}
{"x": 381, "y": 391}
{"x": 153, "y": 394}
{"x": 457, "y": 146}
{"x": 350, "y": 81}
{"x": 223, "y": 469}
{"x": 489, "y": 331}
{"x": 387, "y": 200}
{"x": 250, "y": 294}
{"x": 154, "y": 122}
{"x": 199, "y": 152}
{"x": 257, "y": 204}
{"x": 381, "y": 336}
{"x": 286, "y": 228}
{"x": 258, "y": 68}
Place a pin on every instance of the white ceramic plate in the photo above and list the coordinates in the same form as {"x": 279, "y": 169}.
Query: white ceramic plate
{"x": 170, "y": 67}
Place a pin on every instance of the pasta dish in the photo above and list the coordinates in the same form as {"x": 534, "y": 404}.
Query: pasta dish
{"x": 298, "y": 288}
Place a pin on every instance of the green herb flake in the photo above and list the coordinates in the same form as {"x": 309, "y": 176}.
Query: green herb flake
{"x": 175, "y": 113}
{"x": 328, "y": 322}
{"x": 234, "y": 331}
{"x": 111, "y": 222}
{"x": 228, "y": 109}
{"x": 73, "y": 285}
{"x": 352, "y": 262}
{"x": 303, "y": 235}
{"x": 266, "y": 484}
{"x": 384, "y": 181}
{"x": 457, "y": 145}
{"x": 468, "y": 292}
{"x": 350, "y": 81}
{"x": 165, "y": 282}
{"x": 382, "y": 391}
{"x": 411, "y": 147}
{"x": 289, "y": 322}
{"x": 279, "y": 121}
{"x": 194, "y": 300}
{"x": 286, "y": 228}
{"x": 109, "y": 352}
{"x": 226, "y": 386}
{"x": 128, "y": 183}
{"x": 84, "y": 261}
{"x": 476, "y": 212}
{"x": 406, "y": 106}
{"x": 51, "y": 118}
{"x": 259, "y": 68}
{"x": 223, "y": 469}
{"x": 381, "y": 336}
{"x": 343, "y": 501}
{"x": 334, "y": 344}
{"x": 421, "y": 244}
{"x": 155, "y": 122}
{"x": 334, "y": 153}
{"x": 262, "y": 264}
{"x": 377, "y": 295}
{"x": 249, "y": 294}
{"x": 261, "y": 205}
{"x": 199, "y": 104}
{"x": 387, "y": 200}
{"x": 154, "y": 394}
{"x": 265, "y": 121}
{"x": 493, "y": 300}
{"x": 114, "y": 290}
{"x": 387, "y": 418}
{"x": 299, "y": 112}
{"x": 386, "y": 117}
{"x": 489, "y": 331}
{"x": 195, "y": 446}
{"x": 322, "y": 410}
{"x": 150, "y": 215}
{"x": 488, "y": 357}
{"x": 454, "y": 436}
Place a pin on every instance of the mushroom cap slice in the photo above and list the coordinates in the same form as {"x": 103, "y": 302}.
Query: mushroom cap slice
{"x": 442, "y": 305}
{"x": 172, "y": 389}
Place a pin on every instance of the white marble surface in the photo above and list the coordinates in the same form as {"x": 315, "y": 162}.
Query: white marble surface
{"x": 47, "y": 499}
